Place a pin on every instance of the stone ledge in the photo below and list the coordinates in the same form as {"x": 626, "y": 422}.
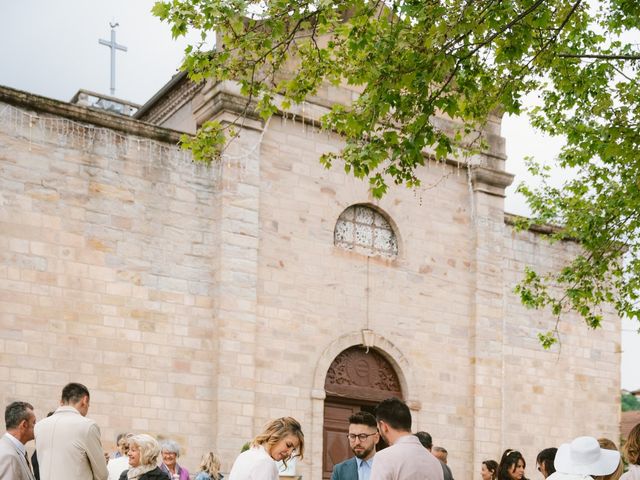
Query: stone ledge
{"x": 217, "y": 97}
{"x": 88, "y": 115}
{"x": 545, "y": 229}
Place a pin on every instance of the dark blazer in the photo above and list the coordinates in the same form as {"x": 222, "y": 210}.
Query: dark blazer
{"x": 446, "y": 471}
{"x": 347, "y": 470}
{"x": 155, "y": 474}
{"x": 34, "y": 465}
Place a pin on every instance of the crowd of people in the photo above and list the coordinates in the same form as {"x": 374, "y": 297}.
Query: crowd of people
{"x": 68, "y": 447}
{"x": 584, "y": 457}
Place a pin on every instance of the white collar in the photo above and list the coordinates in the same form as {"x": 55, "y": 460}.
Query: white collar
{"x": 19, "y": 445}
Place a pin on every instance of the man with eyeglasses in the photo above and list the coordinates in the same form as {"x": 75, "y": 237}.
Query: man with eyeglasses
{"x": 363, "y": 437}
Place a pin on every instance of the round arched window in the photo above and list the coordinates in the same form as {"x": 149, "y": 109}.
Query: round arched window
{"x": 364, "y": 230}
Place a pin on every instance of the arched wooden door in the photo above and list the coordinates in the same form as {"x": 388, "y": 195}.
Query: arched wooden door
{"x": 356, "y": 380}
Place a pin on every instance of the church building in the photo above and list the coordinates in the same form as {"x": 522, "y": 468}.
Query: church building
{"x": 198, "y": 302}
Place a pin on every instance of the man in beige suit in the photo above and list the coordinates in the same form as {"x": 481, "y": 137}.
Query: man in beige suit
{"x": 406, "y": 458}
{"x": 19, "y": 420}
{"x": 68, "y": 444}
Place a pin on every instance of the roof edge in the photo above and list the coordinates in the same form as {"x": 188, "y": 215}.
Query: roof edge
{"x": 90, "y": 115}
{"x": 160, "y": 93}
{"x": 545, "y": 229}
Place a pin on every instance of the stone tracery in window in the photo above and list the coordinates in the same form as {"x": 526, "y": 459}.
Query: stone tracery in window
{"x": 362, "y": 229}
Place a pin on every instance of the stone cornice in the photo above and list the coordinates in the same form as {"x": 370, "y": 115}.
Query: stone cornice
{"x": 216, "y": 99}
{"x": 489, "y": 180}
{"x": 220, "y": 97}
{"x": 542, "y": 229}
{"x": 169, "y": 99}
{"x": 159, "y": 95}
{"x": 88, "y": 115}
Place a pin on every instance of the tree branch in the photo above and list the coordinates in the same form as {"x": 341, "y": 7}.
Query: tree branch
{"x": 600, "y": 56}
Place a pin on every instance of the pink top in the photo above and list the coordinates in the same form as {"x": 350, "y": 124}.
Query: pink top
{"x": 181, "y": 472}
{"x": 406, "y": 459}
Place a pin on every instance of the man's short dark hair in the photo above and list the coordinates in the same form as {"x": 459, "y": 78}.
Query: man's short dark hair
{"x": 15, "y": 413}
{"x": 425, "y": 439}
{"x": 395, "y": 413}
{"x": 74, "y": 392}
{"x": 363, "y": 418}
{"x": 546, "y": 458}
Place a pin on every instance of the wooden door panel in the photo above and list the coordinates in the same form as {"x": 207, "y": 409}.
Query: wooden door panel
{"x": 357, "y": 379}
{"x": 336, "y": 427}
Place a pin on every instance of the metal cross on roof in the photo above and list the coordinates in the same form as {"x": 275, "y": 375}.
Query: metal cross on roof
{"x": 113, "y": 46}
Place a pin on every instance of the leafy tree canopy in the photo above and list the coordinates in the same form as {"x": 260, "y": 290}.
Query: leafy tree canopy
{"x": 415, "y": 59}
{"x": 629, "y": 402}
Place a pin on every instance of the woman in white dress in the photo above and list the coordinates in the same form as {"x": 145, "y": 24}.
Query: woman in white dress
{"x": 281, "y": 440}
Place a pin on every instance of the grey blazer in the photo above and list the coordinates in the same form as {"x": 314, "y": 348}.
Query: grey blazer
{"x": 347, "y": 470}
{"x": 13, "y": 465}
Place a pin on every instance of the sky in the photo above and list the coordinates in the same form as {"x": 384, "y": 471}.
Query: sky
{"x": 51, "y": 48}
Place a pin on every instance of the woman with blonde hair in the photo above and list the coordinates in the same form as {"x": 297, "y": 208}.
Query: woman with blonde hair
{"x": 281, "y": 440}
{"x": 143, "y": 459}
{"x": 617, "y": 473}
{"x": 631, "y": 450}
{"x": 209, "y": 467}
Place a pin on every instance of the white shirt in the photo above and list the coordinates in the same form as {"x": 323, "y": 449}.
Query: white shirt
{"x": 19, "y": 445}
{"x": 632, "y": 474}
{"x": 116, "y": 466}
{"x": 254, "y": 464}
{"x": 568, "y": 476}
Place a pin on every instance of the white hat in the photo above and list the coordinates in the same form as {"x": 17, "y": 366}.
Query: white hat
{"x": 583, "y": 456}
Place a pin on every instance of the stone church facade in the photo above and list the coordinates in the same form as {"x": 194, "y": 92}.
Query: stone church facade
{"x": 197, "y": 303}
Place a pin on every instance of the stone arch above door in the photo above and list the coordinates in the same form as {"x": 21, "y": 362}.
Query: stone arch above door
{"x": 382, "y": 346}
{"x": 362, "y": 373}
{"x": 357, "y": 379}
{"x": 342, "y": 377}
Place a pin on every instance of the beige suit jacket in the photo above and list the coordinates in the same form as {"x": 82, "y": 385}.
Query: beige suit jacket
{"x": 406, "y": 459}
{"x": 69, "y": 447}
{"x": 13, "y": 465}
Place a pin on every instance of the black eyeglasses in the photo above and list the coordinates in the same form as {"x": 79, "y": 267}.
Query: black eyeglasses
{"x": 362, "y": 437}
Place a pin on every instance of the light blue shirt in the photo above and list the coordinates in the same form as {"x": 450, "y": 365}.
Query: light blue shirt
{"x": 364, "y": 468}
{"x": 21, "y": 448}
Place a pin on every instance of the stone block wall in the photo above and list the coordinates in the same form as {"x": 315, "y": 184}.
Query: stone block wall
{"x": 108, "y": 255}
{"x": 311, "y": 292}
{"x": 446, "y": 304}
{"x": 570, "y": 390}
{"x": 198, "y": 303}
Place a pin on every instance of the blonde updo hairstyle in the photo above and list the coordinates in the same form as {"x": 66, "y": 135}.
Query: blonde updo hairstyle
{"x": 149, "y": 448}
{"x": 210, "y": 463}
{"x": 276, "y": 430}
{"x": 617, "y": 473}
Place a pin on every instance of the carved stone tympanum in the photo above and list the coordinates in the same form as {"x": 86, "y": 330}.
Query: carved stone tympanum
{"x": 358, "y": 374}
